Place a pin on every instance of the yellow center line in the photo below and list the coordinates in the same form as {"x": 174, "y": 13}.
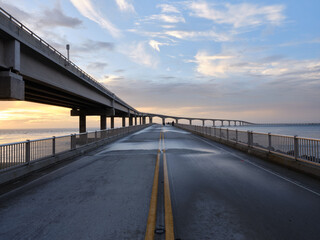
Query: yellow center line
{"x": 152, "y": 217}
{"x": 168, "y": 217}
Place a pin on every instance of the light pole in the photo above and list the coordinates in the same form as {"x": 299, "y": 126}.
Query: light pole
{"x": 68, "y": 48}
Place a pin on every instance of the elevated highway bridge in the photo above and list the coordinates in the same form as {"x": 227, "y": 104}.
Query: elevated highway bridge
{"x": 160, "y": 182}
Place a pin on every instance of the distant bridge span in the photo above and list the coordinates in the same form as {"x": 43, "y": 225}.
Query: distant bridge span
{"x": 33, "y": 70}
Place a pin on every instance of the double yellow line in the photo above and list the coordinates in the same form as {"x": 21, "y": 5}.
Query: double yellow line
{"x": 168, "y": 218}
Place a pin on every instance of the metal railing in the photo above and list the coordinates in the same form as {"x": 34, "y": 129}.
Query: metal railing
{"x": 299, "y": 148}
{"x": 22, "y": 153}
{"x": 85, "y": 76}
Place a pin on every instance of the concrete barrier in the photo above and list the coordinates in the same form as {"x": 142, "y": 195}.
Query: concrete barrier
{"x": 15, "y": 173}
{"x": 275, "y": 157}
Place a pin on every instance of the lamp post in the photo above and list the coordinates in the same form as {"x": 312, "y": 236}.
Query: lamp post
{"x": 68, "y": 48}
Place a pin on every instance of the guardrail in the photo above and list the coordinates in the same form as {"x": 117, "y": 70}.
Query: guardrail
{"x": 298, "y": 148}
{"x": 86, "y": 77}
{"x": 26, "y": 152}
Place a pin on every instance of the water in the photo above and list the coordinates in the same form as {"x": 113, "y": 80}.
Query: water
{"x": 18, "y": 135}
{"x": 308, "y": 131}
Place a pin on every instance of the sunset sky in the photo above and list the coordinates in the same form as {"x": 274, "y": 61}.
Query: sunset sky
{"x": 253, "y": 60}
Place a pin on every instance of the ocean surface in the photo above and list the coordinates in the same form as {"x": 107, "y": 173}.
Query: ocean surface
{"x": 309, "y": 131}
{"x": 17, "y": 135}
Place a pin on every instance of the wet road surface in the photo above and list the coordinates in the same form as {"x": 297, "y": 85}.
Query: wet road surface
{"x": 216, "y": 193}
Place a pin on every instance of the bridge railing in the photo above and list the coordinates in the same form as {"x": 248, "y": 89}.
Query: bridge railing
{"x": 298, "y": 148}
{"x": 26, "y": 152}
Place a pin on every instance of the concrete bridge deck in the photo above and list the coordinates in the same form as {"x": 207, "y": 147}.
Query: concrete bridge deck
{"x": 216, "y": 193}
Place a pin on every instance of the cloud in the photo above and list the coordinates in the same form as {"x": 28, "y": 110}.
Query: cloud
{"x": 56, "y": 17}
{"x": 166, "y": 18}
{"x": 272, "y": 68}
{"x": 155, "y": 45}
{"x": 239, "y": 15}
{"x": 197, "y": 35}
{"x": 166, "y": 8}
{"x": 97, "y": 66}
{"x": 51, "y": 18}
{"x": 86, "y": 8}
{"x": 125, "y": 6}
{"x": 139, "y": 54}
{"x": 214, "y": 66}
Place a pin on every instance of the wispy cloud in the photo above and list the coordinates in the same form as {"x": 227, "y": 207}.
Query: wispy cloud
{"x": 87, "y": 9}
{"x": 156, "y": 45}
{"x": 166, "y": 18}
{"x": 239, "y": 15}
{"x": 125, "y": 6}
{"x": 138, "y": 53}
{"x": 200, "y": 35}
{"x": 167, "y": 8}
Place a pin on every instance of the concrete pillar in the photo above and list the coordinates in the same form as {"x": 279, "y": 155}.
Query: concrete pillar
{"x": 144, "y": 120}
{"x": 190, "y": 121}
{"x": 177, "y": 120}
{"x": 130, "y": 121}
{"x": 213, "y": 123}
{"x": 111, "y": 122}
{"x": 11, "y": 86}
{"x": 150, "y": 119}
{"x": 163, "y": 121}
{"x": 103, "y": 122}
{"x": 82, "y": 123}
{"x": 12, "y": 54}
{"x": 123, "y": 121}
{"x": 203, "y": 122}
{"x": 222, "y": 123}
{"x": 135, "y": 121}
{"x": 229, "y": 123}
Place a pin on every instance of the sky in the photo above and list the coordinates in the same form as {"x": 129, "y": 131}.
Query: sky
{"x": 253, "y": 60}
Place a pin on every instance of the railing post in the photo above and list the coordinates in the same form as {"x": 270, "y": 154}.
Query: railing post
{"x": 249, "y": 139}
{"x": 28, "y": 151}
{"x": 269, "y": 142}
{"x": 236, "y": 135}
{"x": 296, "y": 147}
{"x": 227, "y": 134}
{"x": 53, "y": 145}
{"x": 73, "y": 141}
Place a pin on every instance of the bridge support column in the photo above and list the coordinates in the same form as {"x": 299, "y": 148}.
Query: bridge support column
{"x": 150, "y": 119}
{"x": 103, "y": 122}
{"x": 144, "y": 120}
{"x": 111, "y": 122}
{"x": 229, "y": 123}
{"x": 221, "y": 123}
{"x": 190, "y": 121}
{"x": 82, "y": 123}
{"x": 163, "y": 121}
{"x": 213, "y": 123}
{"x": 135, "y": 121}
{"x": 177, "y": 120}
{"x": 123, "y": 121}
{"x": 203, "y": 122}
{"x": 11, "y": 86}
{"x": 130, "y": 121}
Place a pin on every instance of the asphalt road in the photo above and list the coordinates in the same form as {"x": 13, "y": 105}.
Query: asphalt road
{"x": 216, "y": 193}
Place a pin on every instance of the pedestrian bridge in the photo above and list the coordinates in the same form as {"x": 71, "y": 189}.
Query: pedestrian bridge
{"x": 162, "y": 182}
